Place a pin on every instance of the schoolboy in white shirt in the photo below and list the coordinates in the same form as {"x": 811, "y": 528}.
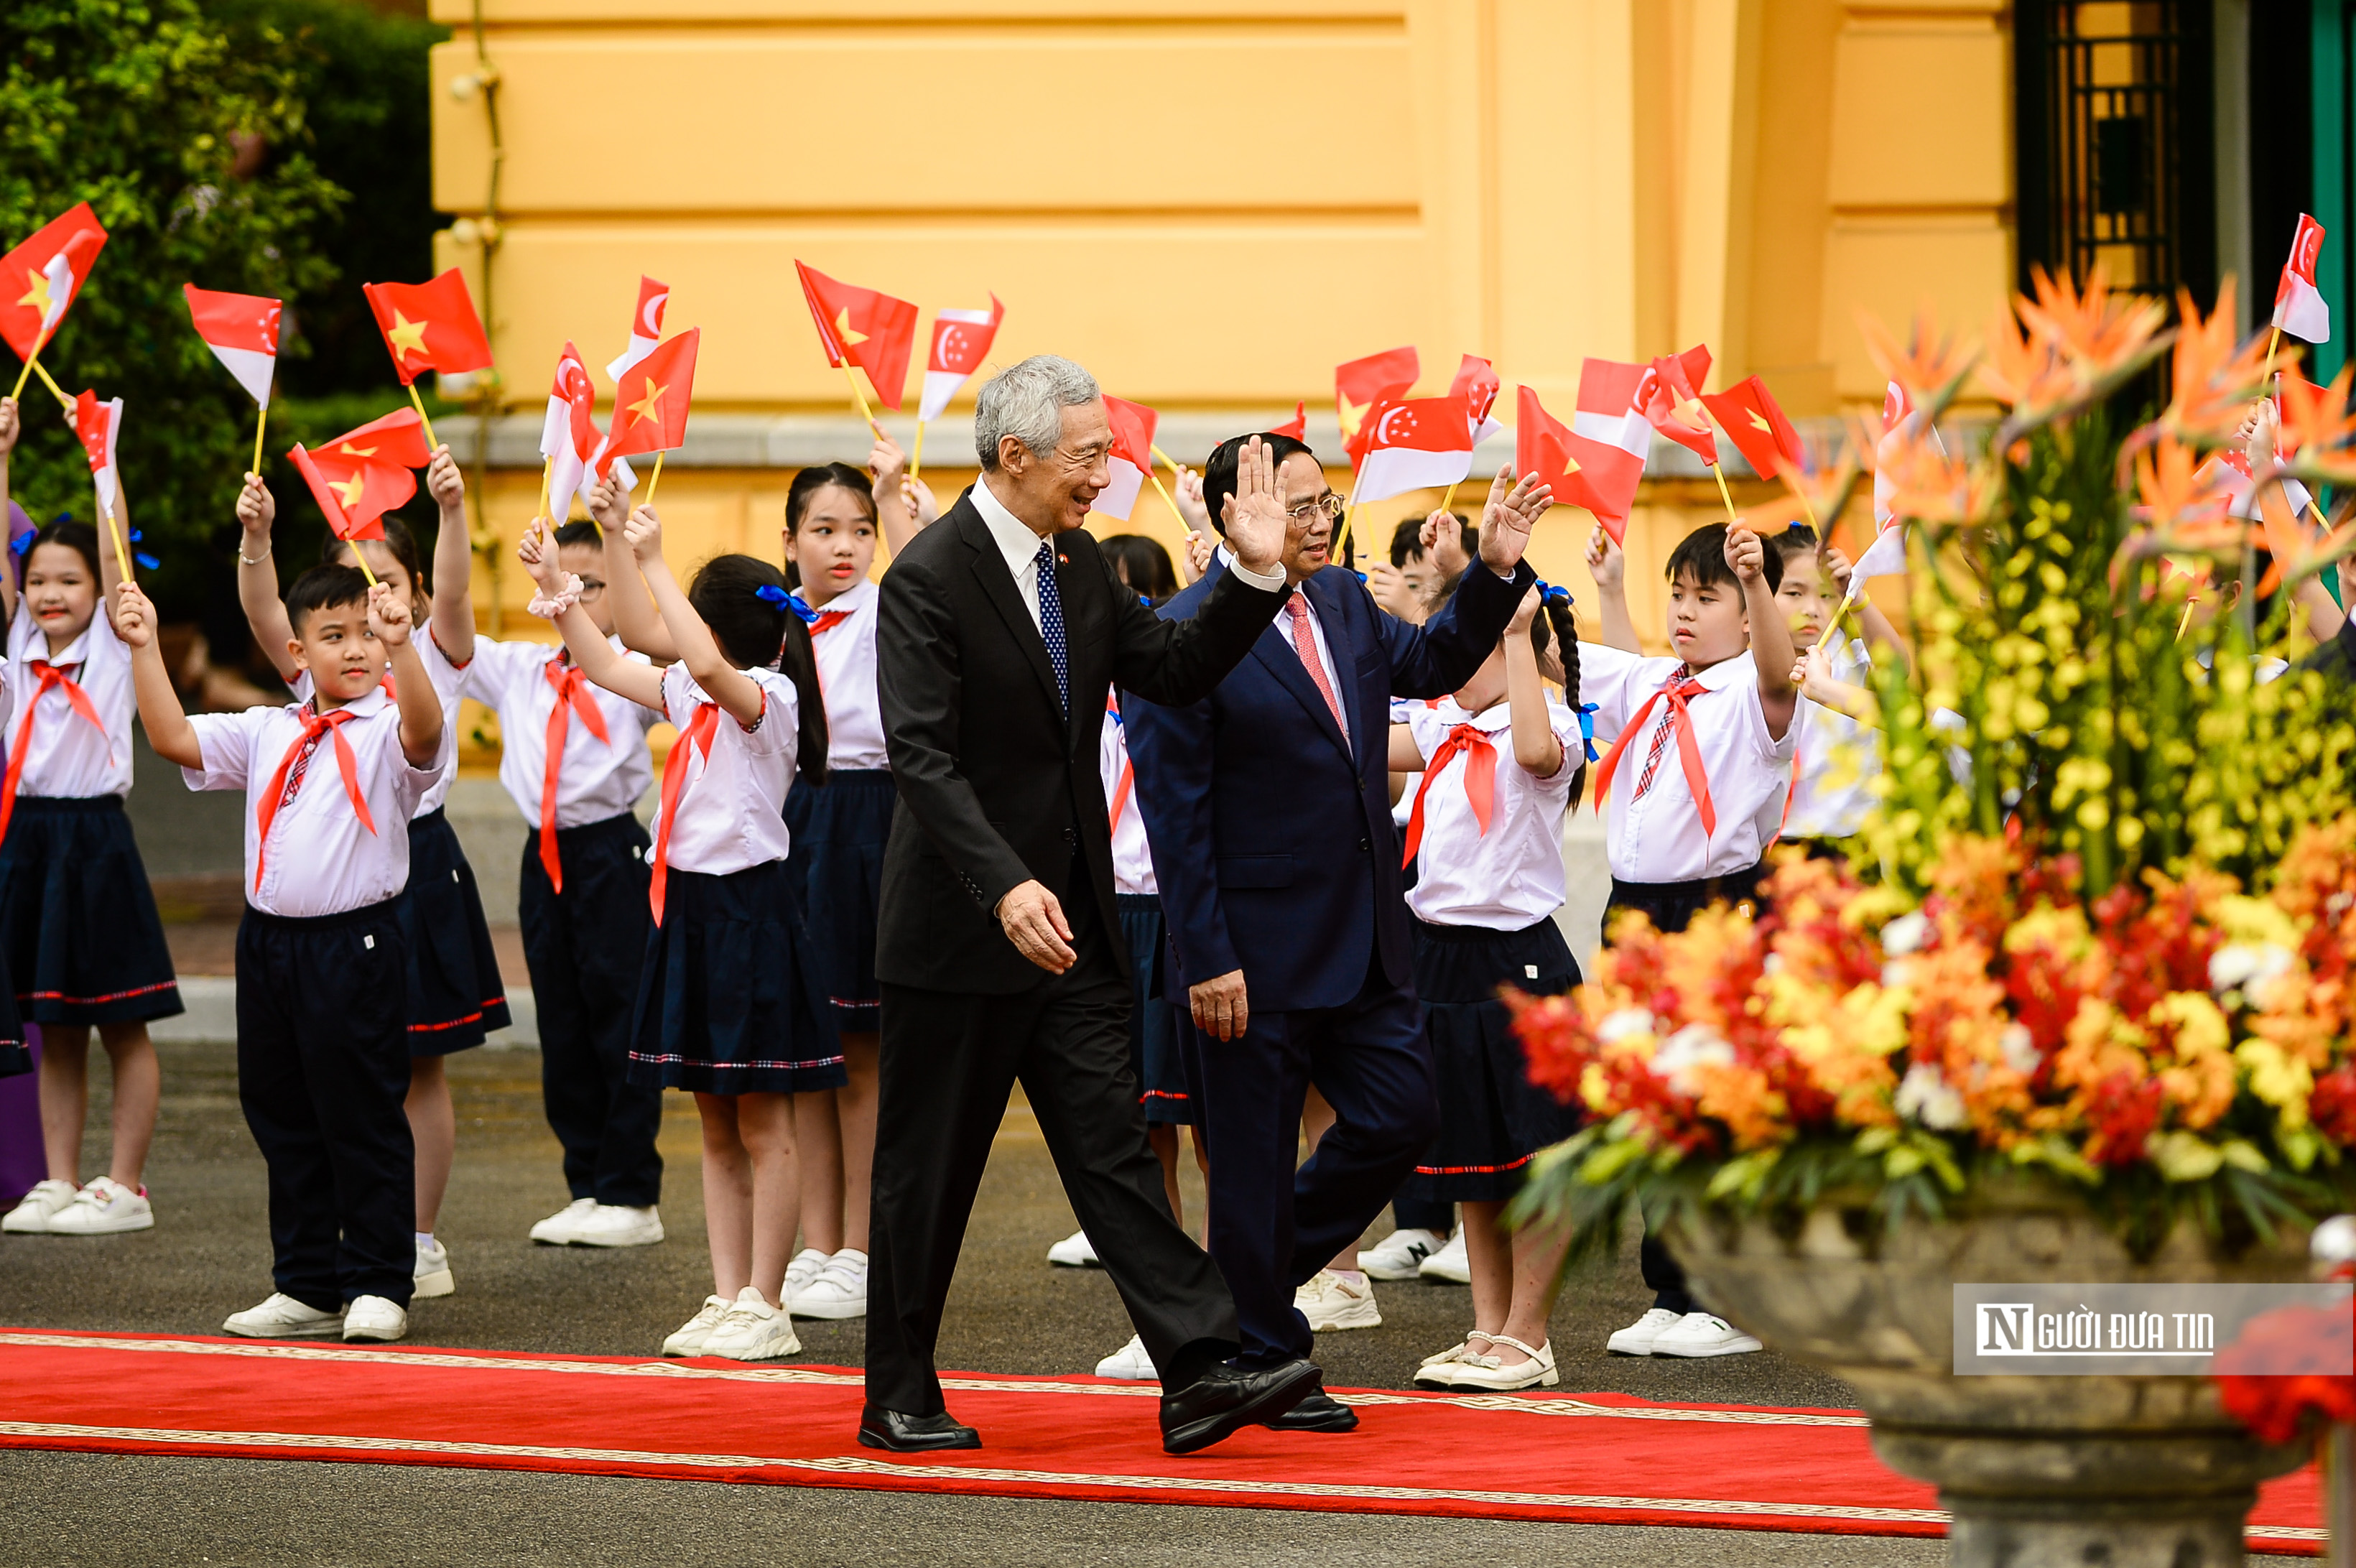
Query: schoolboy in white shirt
{"x": 322, "y": 1006}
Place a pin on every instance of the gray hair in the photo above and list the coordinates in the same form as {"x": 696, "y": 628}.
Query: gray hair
{"x": 1027, "y": 402}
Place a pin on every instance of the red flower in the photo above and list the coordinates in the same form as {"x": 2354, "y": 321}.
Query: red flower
{"x": 2332, "y": 1106}
{"x": 2124, "y": 1114}
{"x": 2305, "y": 1351}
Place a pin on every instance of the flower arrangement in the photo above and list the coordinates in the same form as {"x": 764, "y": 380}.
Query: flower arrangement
{"x": 2101, "y": 931}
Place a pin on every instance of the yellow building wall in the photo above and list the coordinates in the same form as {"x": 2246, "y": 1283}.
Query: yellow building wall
{"x": 1210, "y": 203}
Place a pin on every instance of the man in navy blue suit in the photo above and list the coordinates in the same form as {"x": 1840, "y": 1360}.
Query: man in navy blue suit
{"x": 1268, "y": 808}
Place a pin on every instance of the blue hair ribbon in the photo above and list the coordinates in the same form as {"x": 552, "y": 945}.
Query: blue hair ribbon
{"x": 147, "y": 562}
{"x": 1550, "y": 595}
{"x": 1586, "y": 712}
{"x": 770, "y": 593}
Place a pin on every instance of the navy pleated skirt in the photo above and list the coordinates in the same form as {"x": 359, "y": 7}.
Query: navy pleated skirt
{"x": 456, "y": 995}
{"x": 1154, "y": 1028}
{"x": 78, "y": 922}
{"x": 728, "y": 1001}
{"x": 836, "y": 866}
{"x": 1493, "y": 1120}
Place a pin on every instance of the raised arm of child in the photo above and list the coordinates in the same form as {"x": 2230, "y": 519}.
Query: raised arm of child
{"x": 1770, "y": 634}
{"x": 453, "y": 560}
{"x": 1535, "y": 747}
{"x": 110, "y": 564}
{"x": 8, "y": 431}
{"x": 1608, "y": 567}
{"x": 636, "y": 620}
{"x": 1880, "y": 637}
{"x": 904, "y": 506}
{"x": 169, "y": 732}
{"x": 594, "y": 655}
{"x": 723, "y": 682}
{"x": 412, "y": 689}
{"x": 1819, "y": 684}
{"x": 257, "y": 579}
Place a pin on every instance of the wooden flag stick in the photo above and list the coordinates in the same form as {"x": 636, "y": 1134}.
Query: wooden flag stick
{"x": 38, "y": 344}
{"x": 56, "y": 390}
{"x": 260, "y": 418}
{"x": 1733, "y": 520}
{"x": 122, "y": 551}
{"x": 419, "y": 404}
{"x": 856, "y": 396}
{"x": 916, "y": 460}
{"x": 652, "y": 480}
{"x": 360, "y": 559}
{"x": 1809, "y": 508}
{"x": 1449, "y": 501}
{"x": 1164, "y": 494}
{"x": 1341, "y": 538}
{"x": 1848, "y": 599}
{"x": 2274, "y": 335}
{"x": 547, "y": 468}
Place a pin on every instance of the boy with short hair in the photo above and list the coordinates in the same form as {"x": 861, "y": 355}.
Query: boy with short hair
{"x": 322, "y": 1051}
{"x": 1693, "y": 789}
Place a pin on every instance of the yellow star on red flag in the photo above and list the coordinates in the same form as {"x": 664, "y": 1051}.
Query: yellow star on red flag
{"x": 406, "y": 336}
{"x": 649, "y": 407}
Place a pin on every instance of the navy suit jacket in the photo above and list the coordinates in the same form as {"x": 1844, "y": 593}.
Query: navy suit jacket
{"x": 1271, "y": 833}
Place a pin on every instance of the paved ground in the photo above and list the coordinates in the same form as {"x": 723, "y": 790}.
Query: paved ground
{"x": 1010, "y": 1313}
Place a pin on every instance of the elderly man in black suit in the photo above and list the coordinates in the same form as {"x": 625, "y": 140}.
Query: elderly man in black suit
{"x": 1001, "y": 628}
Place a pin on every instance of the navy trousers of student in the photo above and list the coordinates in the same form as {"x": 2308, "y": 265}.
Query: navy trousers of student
{"x": 1271, "y": 1226}
{"x": 322, "y": 1070}
{"x": 583, "y": 948}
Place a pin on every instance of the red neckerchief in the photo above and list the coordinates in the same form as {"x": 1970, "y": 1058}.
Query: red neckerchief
{"x": 696, "y": 737}
{"x": 281, "y": 794}
{"x": 572, "y": 695}
{"x": 1678, "y": 690}
{"x": 1480, "y": 781}
{"x": 78, "y": 700}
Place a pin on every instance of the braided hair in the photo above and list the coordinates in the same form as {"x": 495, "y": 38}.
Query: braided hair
{"x": 754, "y": 631}
{"x": 1556, "y": 620}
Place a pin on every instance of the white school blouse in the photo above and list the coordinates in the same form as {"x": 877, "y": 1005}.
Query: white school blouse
{"x": 1132, "y": 858}
{"x": 843, "y": 639}
{"x": 66, "y": 756}
{"x": 1837, "y": 758}
{"x": 731, "y": 811}
{"x": 449, "y": 682}
{"x": 1511, "y": 876}
{"x": 596, "y": 779}
{"x": 1657, "y": 836}
{"x": 321, "y": 859}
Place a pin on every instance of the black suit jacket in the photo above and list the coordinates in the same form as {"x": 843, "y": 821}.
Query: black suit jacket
{"x": 997, "y": 786}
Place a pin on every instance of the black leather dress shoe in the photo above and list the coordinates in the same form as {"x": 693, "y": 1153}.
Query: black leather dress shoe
{"x": 898, "y": 1432}
{"x": 1225, "y": 1399}
{"x": 1317, "y": 1412}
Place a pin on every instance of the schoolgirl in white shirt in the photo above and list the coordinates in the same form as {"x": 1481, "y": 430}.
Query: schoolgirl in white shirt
{"x": 322, "y": 983}
{"x": 1485, "y": 831}
{"x": 728, "y": 1006}
{"x": 573, "y": 756}
{"x": 78, "y": 924}
{"x": 1836, "y": 755}
{"x": 456, "y": 997}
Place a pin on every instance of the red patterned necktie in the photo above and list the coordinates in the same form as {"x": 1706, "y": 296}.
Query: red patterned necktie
{"x": 78, "y": 700}
{"x": 572, "y": 696}
{"x": 1678, "y": 691}
{"x": 1304, "y": 642}
{"x": 696, "y": 737}
{"x": 287, "y": 782}
{"x": 1480, "y": 755}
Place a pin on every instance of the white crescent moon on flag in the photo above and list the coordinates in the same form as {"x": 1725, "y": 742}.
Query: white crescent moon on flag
{"x": 952, "y": 351}
{"x": 1383, "y": 432}
{"x": 651, "y": 316}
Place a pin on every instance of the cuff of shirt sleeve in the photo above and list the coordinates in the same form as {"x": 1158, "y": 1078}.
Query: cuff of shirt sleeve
{"x": 1271, "y": 581}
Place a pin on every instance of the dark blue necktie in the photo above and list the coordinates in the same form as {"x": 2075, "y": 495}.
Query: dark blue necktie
{"x": 1051, "y": 624}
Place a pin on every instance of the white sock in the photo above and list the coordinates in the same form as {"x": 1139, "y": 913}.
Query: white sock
{"x": 425, "y": 1238}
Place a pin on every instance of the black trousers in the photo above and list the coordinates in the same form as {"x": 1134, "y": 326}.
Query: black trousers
{"x": 948, "y": 1062}
{"x": 583, "y": 948}
{"x": 322, "y": 1070}
{"x": 1273, "y": 1226}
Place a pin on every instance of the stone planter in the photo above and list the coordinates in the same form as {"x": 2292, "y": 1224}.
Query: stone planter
{"x": 2120, "y": 1472}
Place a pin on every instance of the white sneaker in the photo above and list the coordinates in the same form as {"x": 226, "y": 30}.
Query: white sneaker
{"x": 617, "y": 1225}
{"x": 1636, "y": 1339}
{"x": 1129, "y": 1363}
{"x": 432, "y": 1276}
{"x": 1449, "y": 1265}
{"x": 374, "y": 1317}
{"x": 806, "y": 1267}
{"x": 838, "y": 1292}
{"x": 284, "y": 1317}
{"x": 688, "y": 1337}
{"x": 1075, "y": 1252}
{"x": 750, "y": 1330}
{"x": 34, "y": 1211}
{"x": 558, "y": 1229}
{"x": 1397, "y": 1255}
{"x": 1489, "y": 1373}
{"x": 104, "y": 1207}
{"x": 1333, "y": 1303}
{"x": 1704, "y": 1334}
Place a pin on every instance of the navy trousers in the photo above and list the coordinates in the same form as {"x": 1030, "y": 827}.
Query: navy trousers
{"x": 322, "y": 1070}
{"x": 1272, "y": 1227}
{"x": 583, "y": 948}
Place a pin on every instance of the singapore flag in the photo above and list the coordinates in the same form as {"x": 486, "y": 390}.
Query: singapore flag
{"x": 2300, "y": 308}
{"x": 568, "y": 435}
{"x": 1421, "y": 443}
{"x": 1131, "y": 457}
{"x": 961, "y": 340}
{"x": 646, "y": 325}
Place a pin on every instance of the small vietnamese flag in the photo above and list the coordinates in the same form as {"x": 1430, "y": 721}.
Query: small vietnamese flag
{"x": 2300, "y": 308}
{"x": 1541, "y": 442}
{"x": 430, "y": 327}
{"x": 98, "y": 423}
{"x": 861, "y": 326}
{"x": 646, "y": 325}
{"x": 397, "y": 438}
{"x": 242, "y": 330}
{"x": 960, "y": 339}
{"x": 1131, "y": 457}
{"x": 1756, "y": 425}
{"x": 1298, "y": 425}
{"x": 1360, "y": 384}
{"x": 1610, "y": 439}
{"x": 355, "y": 496}
{"x": 43, "y": 276}
{"x": 1672, "y": 406}
{"x": 650, "y": 404}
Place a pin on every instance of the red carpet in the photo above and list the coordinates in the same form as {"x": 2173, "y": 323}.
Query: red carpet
{"x": 1595, "y": 1458}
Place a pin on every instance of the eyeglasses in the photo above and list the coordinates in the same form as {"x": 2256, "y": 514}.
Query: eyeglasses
{"x": 591, "y": 587}
{"x": 1329, "y": 503}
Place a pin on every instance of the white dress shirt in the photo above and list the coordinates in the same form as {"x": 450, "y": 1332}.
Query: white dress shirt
{"x": 321, "y": 859}
{"x": 1020, "y": 545}
{"x": 596, "y": 779}
{"x": 1283, "y": 624}
{"x": 732, "y": 806}
{"x": 1510, "y": 876}
{"x": 1658, "y": 836}
{"x": 1132, "y": 858}
{"x": 846, "y": 674}
{"x": 1401, "y": 708}
{"x": 1836, "y": 760}
{"x": 66, "y": 756}
{"x": 449, "y": 682}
